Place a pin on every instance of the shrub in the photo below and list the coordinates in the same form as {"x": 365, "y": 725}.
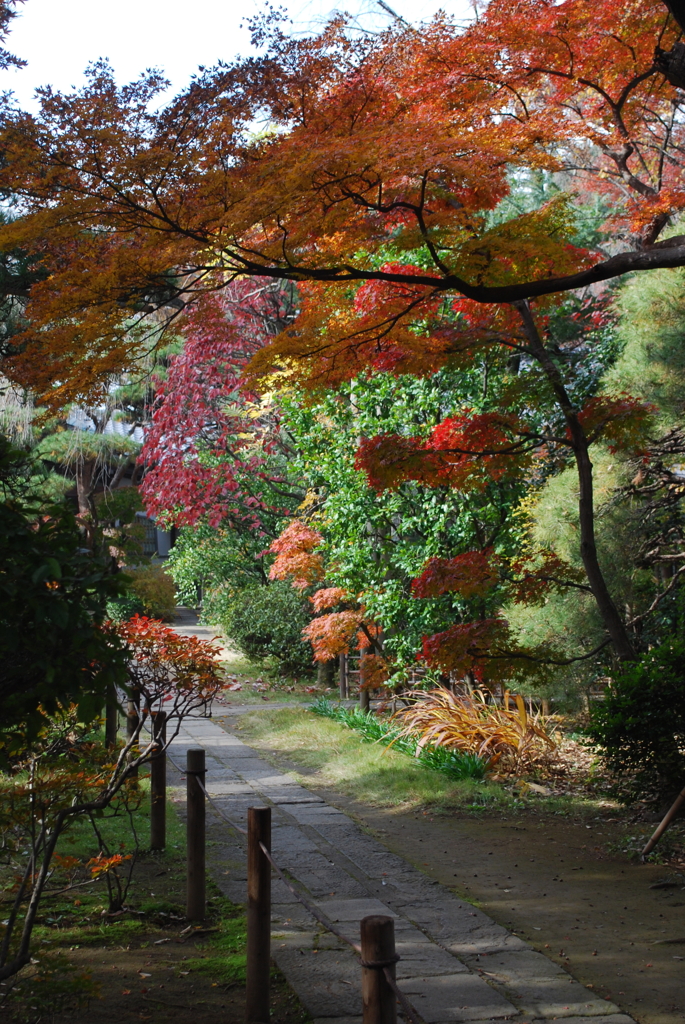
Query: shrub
{"x": 124, "y": 607}
{"x": 267, "y": 621}
{"x": 504, "y": 736}
{"x": 154, "y": 590}
{"x": 640, "y": 725}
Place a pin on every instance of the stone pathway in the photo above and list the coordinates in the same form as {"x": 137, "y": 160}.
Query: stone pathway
{"x": 457, "y": 965}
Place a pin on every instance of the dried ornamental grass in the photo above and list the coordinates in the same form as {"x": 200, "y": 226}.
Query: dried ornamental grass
{"x": 504, "y": 736}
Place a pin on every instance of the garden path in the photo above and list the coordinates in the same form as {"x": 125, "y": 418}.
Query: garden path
{"x": 457, "y": 964}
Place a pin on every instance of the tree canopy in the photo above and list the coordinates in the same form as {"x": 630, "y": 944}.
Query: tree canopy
{"x": 409, "y": 135}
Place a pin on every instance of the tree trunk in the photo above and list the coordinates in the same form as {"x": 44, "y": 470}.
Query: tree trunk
{"x": 85, "y": 471}
{"x": 588, "y": 547}
{"x": 325, "y": 673}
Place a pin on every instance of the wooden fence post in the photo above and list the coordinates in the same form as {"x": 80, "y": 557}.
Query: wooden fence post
{"x": 379, "y": 1002}
{"x": 665, "y": 822}
{"x": 111, "y": 718}
{"x": 158, "y": 784}
{"x": 132, "y": 717}
{"x": 364, "y": 692}
{"x": 344, "y": 685}
{"x": 258, "y": 915}
{"x": 195, "y": 833}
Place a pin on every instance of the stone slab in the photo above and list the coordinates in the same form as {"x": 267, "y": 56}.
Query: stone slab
{"x": 455, "y": 997}
{"x": 353, "y": 910}
{"x": 327, "y": 982}
{"x": 540, "y": 987}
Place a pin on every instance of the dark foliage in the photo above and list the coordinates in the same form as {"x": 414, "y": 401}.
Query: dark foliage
{"x": 640, "y": 726}
{"x": 53, "y": 593}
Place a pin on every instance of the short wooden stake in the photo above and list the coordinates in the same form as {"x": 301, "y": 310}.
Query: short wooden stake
{"x": 195, "y": 833}
{"x": 158, "y": 784}
{"x": 344, "y": 687}
{"x": 132, "y": 716}
{"x": 111, "y": 719}
{"x": 258, "y": 915}
{"x": 364, "y": 692}
{"x": 378, "y": 948}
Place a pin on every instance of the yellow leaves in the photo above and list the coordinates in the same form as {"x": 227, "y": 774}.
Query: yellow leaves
{"x": 534, "y": 245}
{"x": 475, "y": 724}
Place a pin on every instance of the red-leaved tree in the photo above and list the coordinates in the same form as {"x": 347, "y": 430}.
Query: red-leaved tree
{"x": 214, "y": 449}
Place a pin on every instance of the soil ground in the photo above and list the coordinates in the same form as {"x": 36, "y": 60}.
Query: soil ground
{"x": 559, "y": 883}
{"x": 175, "y": 990}
{"x": 141, "y": 966}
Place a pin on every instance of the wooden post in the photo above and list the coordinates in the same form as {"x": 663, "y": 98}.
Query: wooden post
{"x": 132, "y": 716}
{"x": 666, "y": 821}
{"x": 364, "y": 692}
{"x": 258, "y": 916}
{"x": 158, "y": 784}
{"x": 111, "y": 718}
{"x": 378, "y": 947}
{"x": 344, "y": 685}
{"x": 195, "y": 832}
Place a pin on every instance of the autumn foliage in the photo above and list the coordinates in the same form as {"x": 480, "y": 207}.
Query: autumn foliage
{"x": 296, "y": 557}
{"x": 207, "y": 449}
{"x": 408, "y": 135}
{"x": 383, "y": 191}
{"x": 178, "y": 674}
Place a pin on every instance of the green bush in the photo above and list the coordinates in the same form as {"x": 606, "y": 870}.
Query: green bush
{"x": 125, "y": 607}
{"x": 267, "y": 622}
{"x": 640, "y": 726}
{"x": 53, "y": 594}
{"x": 154, "y": 591}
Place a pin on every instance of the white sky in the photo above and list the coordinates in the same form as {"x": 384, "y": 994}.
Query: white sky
{"x": 59, "y": 38}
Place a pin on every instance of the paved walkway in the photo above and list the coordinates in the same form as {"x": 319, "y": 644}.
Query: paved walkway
{"x": 457, "y": 964}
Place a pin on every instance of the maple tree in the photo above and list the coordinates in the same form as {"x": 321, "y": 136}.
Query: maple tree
{"x": 65, "y": 773}
{"x": 214, "y": 451}
{"x": 389, "y": 168}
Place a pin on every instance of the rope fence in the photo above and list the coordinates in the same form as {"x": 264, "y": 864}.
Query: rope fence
{"x": 377, "y": 954}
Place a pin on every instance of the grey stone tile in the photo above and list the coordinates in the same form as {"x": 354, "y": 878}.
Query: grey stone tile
{"x": 217, "y": 787}
{"x": 352, "y": 910}
{"x": 557, "y": 999}
{"x": 424, "y": 958}
{"x": 611, "y": 1018}
{"x": 540, "y": 987}
{"x": 461, "y": 931}
{"x": 455, "y": 997}
{"x": 293, "y": 916}
{"x": 328, "y": 983}
{"x": 337, "y": 1020}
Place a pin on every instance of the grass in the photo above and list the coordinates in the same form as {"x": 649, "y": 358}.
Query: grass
{"x": 452, "y": 763}
{"x": 224, "y": 955}
{"x": 343, "y": 759}
{"x": 339, "y": 758}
